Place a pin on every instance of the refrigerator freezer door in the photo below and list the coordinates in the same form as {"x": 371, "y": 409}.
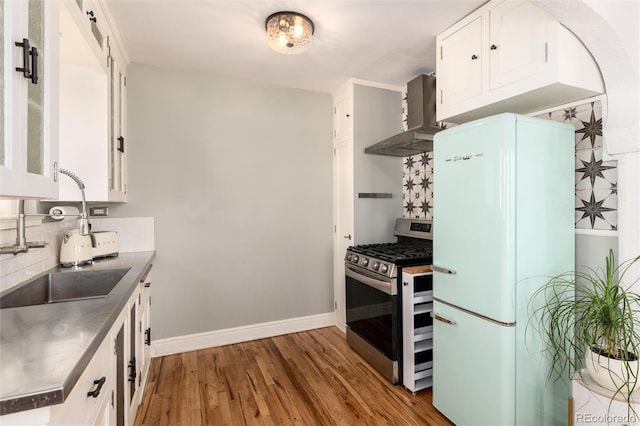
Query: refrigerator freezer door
{"x": 474, "y": 222}
{"x": 474, "y": 368}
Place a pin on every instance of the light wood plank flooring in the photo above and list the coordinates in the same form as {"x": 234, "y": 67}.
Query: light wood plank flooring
{"x": 307, "y": 378}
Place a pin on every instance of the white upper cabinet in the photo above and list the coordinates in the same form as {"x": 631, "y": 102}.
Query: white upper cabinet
{"x": 510, "y": 56}
{"x": 92, "y": 104}
{"x": 461, "y": 73}
{"x": 29, "y": 98}
{"x": 518, "y": 40}
{"x": 343, "y": 117}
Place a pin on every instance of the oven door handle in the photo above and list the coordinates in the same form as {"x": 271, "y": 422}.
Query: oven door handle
{"x": 383, "y": 286}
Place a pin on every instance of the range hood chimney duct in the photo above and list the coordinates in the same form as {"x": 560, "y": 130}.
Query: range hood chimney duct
{"x": 421, "y": 122}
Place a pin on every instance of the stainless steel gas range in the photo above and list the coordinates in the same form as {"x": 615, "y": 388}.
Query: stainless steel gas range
{"x": 374, "y": 296}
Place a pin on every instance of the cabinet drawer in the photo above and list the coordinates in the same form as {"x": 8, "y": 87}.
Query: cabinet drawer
{"x": 82, "y": 408}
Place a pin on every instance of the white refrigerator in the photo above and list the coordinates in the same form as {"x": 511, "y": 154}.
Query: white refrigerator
{"x": 503, "y": 223}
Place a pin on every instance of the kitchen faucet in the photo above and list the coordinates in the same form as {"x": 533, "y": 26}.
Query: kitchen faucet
{"x": 84, "y": 218}
{"x": 21, "y": 245}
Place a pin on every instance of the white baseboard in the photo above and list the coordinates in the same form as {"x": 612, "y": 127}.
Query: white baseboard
{"x": 210, "y": 339}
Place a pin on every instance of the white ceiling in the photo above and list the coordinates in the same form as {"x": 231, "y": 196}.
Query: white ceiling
{"x": 386, "y": 42}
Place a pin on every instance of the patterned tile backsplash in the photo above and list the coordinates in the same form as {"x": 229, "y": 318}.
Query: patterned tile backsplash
{"x": 596, "y": 179}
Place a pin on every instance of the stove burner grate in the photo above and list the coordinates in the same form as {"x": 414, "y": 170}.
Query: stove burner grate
{"x": 394, "y": 252}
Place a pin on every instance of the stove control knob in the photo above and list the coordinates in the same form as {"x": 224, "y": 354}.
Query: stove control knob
{"x": 384, "y": 268}
{"x": 375, "y": 265}
{"x": 355, "y": 258}
{"x": 348, "y": 257}
{"x": 365, "y": 261}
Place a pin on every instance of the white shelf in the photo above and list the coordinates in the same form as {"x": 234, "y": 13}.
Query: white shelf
{"x": 423, "y": 345}
{"x": 425, "y": 383}
{"x": 423, "y": 333}
{"x": 423, "y": 308}
{"x": 424, "y": 366}
{"x": 416, "y": 340}
{"x": 423, "y": 296}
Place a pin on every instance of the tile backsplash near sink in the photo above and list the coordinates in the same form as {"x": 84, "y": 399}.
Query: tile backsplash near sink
{"x": 596, "y": 177}
{"x": 134, "y": 234}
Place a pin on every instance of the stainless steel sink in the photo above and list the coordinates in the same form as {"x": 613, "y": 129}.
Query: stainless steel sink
{"x": 63, "y": 287}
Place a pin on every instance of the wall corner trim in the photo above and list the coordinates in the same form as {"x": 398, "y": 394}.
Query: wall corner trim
{"x": 193, "y": 342}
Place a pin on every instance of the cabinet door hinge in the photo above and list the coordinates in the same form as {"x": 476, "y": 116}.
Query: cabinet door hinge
{"x": 335, "y": 306}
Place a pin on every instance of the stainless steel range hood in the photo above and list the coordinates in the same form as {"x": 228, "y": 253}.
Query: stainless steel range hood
{"x": 421, "y": 121}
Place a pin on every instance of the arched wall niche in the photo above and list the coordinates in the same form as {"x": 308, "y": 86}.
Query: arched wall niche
{"x": 609, "y": 29}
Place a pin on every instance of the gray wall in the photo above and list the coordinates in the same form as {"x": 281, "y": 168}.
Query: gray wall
{"x": 238, "y": 177}
{"x": 591, "y": 250}
{"x": 377, "y": 115}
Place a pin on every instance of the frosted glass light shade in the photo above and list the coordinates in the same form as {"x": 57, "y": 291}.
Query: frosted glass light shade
{"x": 289, "y": 32}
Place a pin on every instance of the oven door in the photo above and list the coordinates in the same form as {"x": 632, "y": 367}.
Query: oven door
{"x": 373, "y": 311}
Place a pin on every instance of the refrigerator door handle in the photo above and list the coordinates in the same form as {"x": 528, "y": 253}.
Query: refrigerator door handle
{"x": 440, "y": 318}
{"x": 437, "y": 268}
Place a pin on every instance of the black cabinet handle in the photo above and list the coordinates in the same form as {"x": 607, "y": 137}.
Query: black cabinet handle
{"x": 147, "y": 336}
{"x": 34, "y": 65}
{"x": 493, "y": 47}
{"x": 25, "y": 70}
{"x": 92, "y": 16}
{"x": 121, "y": 144}
{"x": 147, "y": 285}
{"x": 132, "y": 373}
{"x": 100, "y": 383}
{"x": 474, "y": 57}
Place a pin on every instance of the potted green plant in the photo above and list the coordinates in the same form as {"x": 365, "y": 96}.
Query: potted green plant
{"x": 591, "y": 318}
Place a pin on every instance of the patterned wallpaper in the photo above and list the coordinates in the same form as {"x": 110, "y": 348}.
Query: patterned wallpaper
{"x": 596, "y": 179}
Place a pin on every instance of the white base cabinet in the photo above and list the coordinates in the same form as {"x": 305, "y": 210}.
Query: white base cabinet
{"x": 109, "y": 390}
{"x": 417, "y": 324}
{"x": 510, "y": 56}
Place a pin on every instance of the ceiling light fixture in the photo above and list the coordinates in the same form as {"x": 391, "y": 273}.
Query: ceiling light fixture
{"x": 289, "y": 32}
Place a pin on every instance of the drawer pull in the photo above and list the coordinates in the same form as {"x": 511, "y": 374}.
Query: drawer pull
{"x": 442, "y": 319}
{"x": 100, "y": 383}
{"x": 442, "y": 270}
{"x": 147, "y": 338}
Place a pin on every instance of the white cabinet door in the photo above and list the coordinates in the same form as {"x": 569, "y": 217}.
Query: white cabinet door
{"x": 92, "y": 105}
{"x": 459, "y": 64}
{"x": 518, "y": 45}
{"x": 86, "y": 402}
{"x": 343, "y": 116}
{"x": 117, "y": 183}
{"x": 344, "y": 224}
{"x": 145, "y": 331}
{"x": 29, "y": 97}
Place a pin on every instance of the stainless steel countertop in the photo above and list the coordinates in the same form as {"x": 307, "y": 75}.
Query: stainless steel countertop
{"x": 45, "y": 348}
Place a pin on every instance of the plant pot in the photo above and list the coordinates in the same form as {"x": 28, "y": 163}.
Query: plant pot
{"x": 611, "y": 373}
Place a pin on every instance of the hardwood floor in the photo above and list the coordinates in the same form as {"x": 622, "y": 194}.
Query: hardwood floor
{"x": 307, "y": 378}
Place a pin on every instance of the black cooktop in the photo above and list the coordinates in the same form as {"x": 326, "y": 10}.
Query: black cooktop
{"x": 397, "y": 253}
